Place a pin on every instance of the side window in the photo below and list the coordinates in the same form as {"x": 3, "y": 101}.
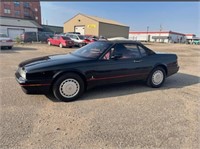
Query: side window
{"x": 107, "y": 55}
{"x": 128, "y": 51}
{"x": 142, "y": 51}
{"x": 133, "y": 50}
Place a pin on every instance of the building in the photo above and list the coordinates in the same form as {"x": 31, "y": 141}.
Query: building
{"x": 165, "y": 37}
{"x": 91, "y": 25}
{"x": 190, "y": 38}
{"x": 13, "y": 27}
{"x": 52, "y": 29}
{"x": 22, "y": 10}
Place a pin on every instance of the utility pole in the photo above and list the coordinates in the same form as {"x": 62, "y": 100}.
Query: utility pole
{"x": 160, "y": 31}
{"x": 147, "y": 33}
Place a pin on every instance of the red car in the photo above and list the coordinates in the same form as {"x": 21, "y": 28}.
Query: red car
{"x": 61, "y": 41}
{"x": 90, "y": 38}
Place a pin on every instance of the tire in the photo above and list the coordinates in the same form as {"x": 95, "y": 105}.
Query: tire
{"x": 49, "y": 43}
{"x": 80, "y": 45}
{"x": 10, "y": 47}
{"x": 68, "y": 87}
{"x": 60, "y": 45}
{"x": 156, "y": 77}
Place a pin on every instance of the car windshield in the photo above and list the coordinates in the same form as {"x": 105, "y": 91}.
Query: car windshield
{"x": 3, "y": 35}
{"x": 92, "y": 50}
{"x": 81, "y": 37}
{"x": 66, "y": 38}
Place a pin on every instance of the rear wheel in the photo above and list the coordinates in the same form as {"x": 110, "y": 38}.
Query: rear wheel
{"x": 156, "y": 77}
{"x": 80, "y": 45}
{"x": 68, "y": 87}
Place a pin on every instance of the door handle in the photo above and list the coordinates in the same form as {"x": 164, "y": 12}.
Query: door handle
{"x": 137, "y": 61}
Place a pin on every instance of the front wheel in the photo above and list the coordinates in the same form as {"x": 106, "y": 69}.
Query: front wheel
{"x": 156, "y": 77}
{"x": 49, "y": 43}
{"x": 60, "y": 45}
{"x": 68, "y": 87}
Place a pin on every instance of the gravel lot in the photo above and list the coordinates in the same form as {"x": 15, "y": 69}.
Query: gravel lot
{"x": 129, "y": 115}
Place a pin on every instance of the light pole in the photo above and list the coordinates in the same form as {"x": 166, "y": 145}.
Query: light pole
{"x": 147, "y": 33}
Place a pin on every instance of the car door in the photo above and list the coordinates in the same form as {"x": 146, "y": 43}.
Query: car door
{"x": 124, "y": 62}
{"x": 53, "y": 40}
{"x": 57, "y": 41}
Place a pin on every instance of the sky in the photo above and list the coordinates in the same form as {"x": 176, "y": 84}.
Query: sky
{"x": 183, "y": 17}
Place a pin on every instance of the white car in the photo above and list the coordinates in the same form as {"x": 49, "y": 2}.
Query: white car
{"x": 5, "y": 41}
{"x": 79, "y": 40}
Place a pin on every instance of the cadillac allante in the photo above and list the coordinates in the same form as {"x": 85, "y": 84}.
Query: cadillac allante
{"x": 68, "y": 76}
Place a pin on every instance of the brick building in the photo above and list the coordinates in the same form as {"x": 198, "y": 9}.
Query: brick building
{"x": 23, "y": 10}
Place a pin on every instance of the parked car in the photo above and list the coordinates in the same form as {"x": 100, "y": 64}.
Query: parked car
{"x": 90, "y": 38}
{"x": 5, "y": 41}
{"x": 73, "y": 33}
{"x": 196, "y": 41}
{"x": 98, "y": 63}
{"x": 34, "y": 36}
{"x": 61, "y": 41}
{"x": 79, "y": 40}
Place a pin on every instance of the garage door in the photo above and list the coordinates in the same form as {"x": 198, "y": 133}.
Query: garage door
{"x": 80, "y": 29}
{"x": 13, "y": 33}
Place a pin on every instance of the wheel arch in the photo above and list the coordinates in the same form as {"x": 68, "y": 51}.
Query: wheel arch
{"x": 164, "y": 66}
{"x": 59, "y": 74}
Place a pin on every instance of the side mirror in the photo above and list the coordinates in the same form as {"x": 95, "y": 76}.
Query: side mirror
{"x": 117, "y": 56}
{"x": 77, "y": 38}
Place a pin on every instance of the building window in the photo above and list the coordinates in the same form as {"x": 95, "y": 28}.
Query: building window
{"x": 17, "y": 13}
{"x": 36, "y": 18}
{"x": 26, "y": 14}
{"x": 36, "y": 9}
{"x": 16, "y": 3}
{"x": 26, "y": 4}
{"x": 7, "y": 11}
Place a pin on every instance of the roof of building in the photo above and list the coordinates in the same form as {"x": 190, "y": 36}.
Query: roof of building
{"x": 158, "y": 32}
{"x": 8, "y": 21}
{"x": 190, "y": 35}
{"x": 53, "y": 29}
{"x": 102, "y": 20}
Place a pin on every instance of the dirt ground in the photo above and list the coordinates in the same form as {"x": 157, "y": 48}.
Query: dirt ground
{"x": 129, "y": 115}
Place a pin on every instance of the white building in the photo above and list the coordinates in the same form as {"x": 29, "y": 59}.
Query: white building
{"x": 190, "y": 38}
{"x": 166, "y": 37}
{"x": 14, "y": 27}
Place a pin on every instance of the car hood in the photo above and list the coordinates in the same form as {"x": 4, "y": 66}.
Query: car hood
{"x": 52, "y": 60}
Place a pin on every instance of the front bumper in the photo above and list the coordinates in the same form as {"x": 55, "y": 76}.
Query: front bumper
{"x": 33, "y": 86}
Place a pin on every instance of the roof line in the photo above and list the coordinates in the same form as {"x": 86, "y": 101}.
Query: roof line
{"x": 157, "y": 32}
{"x": 71, "y": 18}
{"x": 93, "y": 19}
{"x": 101, "y": 21}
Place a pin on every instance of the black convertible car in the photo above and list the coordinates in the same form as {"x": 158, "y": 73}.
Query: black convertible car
{"x": 98, "y": 63}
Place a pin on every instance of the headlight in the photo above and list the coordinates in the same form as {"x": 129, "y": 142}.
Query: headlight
{"x": 22, "y": 73}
